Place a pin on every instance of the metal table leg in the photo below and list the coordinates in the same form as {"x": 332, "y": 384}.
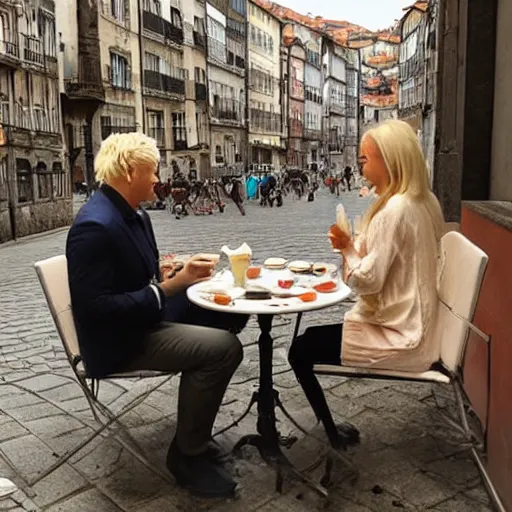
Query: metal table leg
{"x": 268, "y": 441}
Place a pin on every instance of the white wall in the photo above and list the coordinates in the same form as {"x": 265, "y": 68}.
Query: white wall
{"x": 501, "y": 167}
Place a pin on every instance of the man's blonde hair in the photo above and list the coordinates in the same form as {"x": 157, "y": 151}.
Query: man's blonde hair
{"x": 120, "y": 153}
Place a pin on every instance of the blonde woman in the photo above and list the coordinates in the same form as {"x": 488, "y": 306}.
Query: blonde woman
{"x": 392, "y": 267}
{"x": 122, "y": 307}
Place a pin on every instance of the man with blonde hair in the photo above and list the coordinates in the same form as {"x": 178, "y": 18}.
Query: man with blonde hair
{"x": 122, "y": 308}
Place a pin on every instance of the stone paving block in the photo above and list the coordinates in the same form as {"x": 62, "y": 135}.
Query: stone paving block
{"x": 90, "y": 500}
{"x": 28, "y": 455}
{"x": 132, "y": 484}
{"x": 461, "y": 503}
{"x": 35, "y": 411}
{"x": 98, "y": 460}
{"x": 423, "y": 491}
{"x": 63, "y": 482}
{"x": 11, "y": 430}
{"x": 64, "y": 392}
{"x": 459, "y": 469}
{"x": 53, "y": 426}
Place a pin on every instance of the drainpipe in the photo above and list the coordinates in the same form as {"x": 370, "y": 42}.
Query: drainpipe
{"x": 141, "y": 63}
{"x": 247, "y": 84}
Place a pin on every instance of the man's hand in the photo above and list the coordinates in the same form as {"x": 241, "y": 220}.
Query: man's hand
{"x": 196, "y": 269}
{"x": 339, "y": 239}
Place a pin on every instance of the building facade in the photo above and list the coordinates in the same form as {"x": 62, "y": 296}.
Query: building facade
{"x": 334, "y": 103}
{"x": 379, "y": 75}
{"x": 265, "y": 130}
{"x": 34, "y": 183}
{"x": 294, "y": 76}
{"x": 101, "y": 71}
{"x": 226, "y": 85}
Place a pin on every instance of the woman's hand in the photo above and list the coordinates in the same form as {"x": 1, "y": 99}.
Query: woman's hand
{"x": 339, "y": 239}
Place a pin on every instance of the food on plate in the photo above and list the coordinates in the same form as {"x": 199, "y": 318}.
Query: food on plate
{"x": 275, "y": 263}
{"x": 300, "y": 267}
{"x": 285, "y": 283}
{"x": 308, "y": 297}
{"x": 222, "y": 299}
{"x": 320, "y": 269}
{"x": 253, "y": 272}
{"x": 328, "y": 286}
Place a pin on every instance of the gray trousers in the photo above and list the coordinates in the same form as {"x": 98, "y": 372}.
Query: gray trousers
{"x": 206, "y": 358}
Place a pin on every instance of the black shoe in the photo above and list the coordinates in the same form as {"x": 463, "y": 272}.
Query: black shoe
{"x": 199, "y": 475}
{"x": 216, "y": 453}
{"x": 349, "y": 434}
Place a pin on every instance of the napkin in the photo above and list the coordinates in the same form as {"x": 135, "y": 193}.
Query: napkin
{"x": 342, "y": 220}
{"x": 243, "y": 249}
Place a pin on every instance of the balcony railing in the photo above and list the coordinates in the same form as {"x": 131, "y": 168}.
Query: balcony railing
{"x": 266, "y": 122}
{"x": 296, "y": 128}
{"x": 158, "y": 134}
{"x": 161, "y": 26}
{"x": 164, "y": 83}
{"x": 337, "y": 108}
{"x": 108, "y": 129}
{"x": 9, "y": 48}
{"x": 88, "y": 84}
{"x": 32, "y": 50}
{"x": 227, "y": 109}
{"x": 201, "y": 93}
{"x": 199, "y": 40}
{"x": 180, "y": 145}
{"x": 312, "y": 134}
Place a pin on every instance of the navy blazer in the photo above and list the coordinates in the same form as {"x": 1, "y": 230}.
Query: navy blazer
{"x": 112, "y": 259}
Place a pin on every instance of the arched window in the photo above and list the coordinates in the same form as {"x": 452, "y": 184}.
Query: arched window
{"x": 44, "y": 181}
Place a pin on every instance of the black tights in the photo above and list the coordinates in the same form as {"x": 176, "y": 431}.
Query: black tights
{"x": 318, "y": 345}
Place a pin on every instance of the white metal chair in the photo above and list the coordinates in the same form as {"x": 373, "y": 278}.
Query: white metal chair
{"x": 463, "y": 270}
{"x": 53, "y": 276}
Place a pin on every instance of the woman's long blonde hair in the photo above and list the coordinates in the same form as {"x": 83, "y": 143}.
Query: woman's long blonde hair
{"x": 407, "y": 168}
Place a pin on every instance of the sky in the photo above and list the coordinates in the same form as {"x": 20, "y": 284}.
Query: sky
{"x": 371, "y": 14}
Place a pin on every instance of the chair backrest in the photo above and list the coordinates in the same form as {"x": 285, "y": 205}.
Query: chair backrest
{"x": 460, "y": 282}
{"x": 53, "y": 276}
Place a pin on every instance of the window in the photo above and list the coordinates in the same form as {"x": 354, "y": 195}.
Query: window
{"x": 216, "y": 30}
{"x": 200, "y": 75}
{"x": 176, "y": 17}
{"x": 118, "y": 10}
{"x": 59, "y": 180}
{"x": 152, "y": 62}
{"x": 24, "y": 180}
{"x": 153, "y": 6}
{"x": 44, "y": 181}
{"x": 219, "y": 159}
{"x": 156, "y": 126}
{"x": 261, "y": 40}
{"x": 47, "y": 32}
{"x": 3, "y": 179}
{"x": 40, "y": 117}
{"x": 238, "y": 6}
{"x": 179, "y": 131}
{"x": 199, "y": 25}
{"x": 120, "y": 73}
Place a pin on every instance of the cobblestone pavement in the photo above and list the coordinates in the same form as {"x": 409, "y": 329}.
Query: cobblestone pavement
{"x": 407, "y": 458}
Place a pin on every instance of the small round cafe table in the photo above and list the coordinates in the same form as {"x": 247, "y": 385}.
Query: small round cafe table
{"x": 268, "y": 440}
